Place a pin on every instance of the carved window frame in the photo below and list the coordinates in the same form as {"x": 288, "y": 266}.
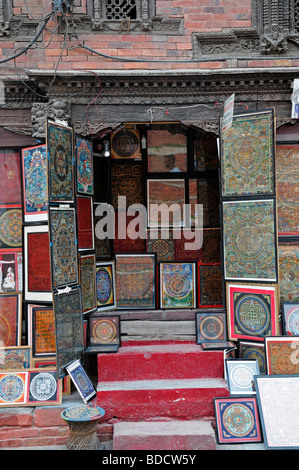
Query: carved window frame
{"x": 15, "y": 27}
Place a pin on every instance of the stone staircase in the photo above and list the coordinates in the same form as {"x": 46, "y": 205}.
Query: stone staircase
{"x": 160, "y": 395}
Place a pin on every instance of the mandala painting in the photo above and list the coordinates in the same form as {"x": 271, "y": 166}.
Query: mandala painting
{"x": 253, "y": 350}
{"x": 10, "y": 226}
{"x": 135, "y": 281}
{"x": 290, "y": 318}
{"x": 249, "y": 240}
{"x": 247, "y": 155}
{"x": 252, "y": 311}
{"x": 10, "y": 319}
{"x": 35, "y": 183}
{"x": 88, "y": 282}
{"x": 177, "y": 285}
{"x": 13, "y": 388}
{"x": 125, "y": 144}
{"x": 81, "y": 381}
{"x": 210, "y": 282}
{"x": 43, "y": 388}
{"x": 60, "y": 163}
{"x": 37, "y": 266}
{"x": 63, "y": 247}
{"x": 162, "y": 243}
{"x": 237, "y": 420}
{"x": 282, "y": 355}
{"x": 69, "y": 327}
{"x": 105, "y": 285}
{"x": 126, "y": 185}
{"x": 287, "y": 181}
{"x": 10, "y": 177}
{"x": 288, "y": 256}
{"x": 104, "y": 330}
{"x": 84, "y": 158}
{"x": 210, "y": 326}
{"x": 240, "y": 376}
{"x": 278, "y": 405}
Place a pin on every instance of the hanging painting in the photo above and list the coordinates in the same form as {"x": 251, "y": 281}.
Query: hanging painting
{"x": 287, "y": 181}
{"x": 290, "y": 318}
{"x": 252, "y": 311}
{"x": 37, "y": 266}
{"x": 125, "y": 144}
{"x": 35, "y": 184}
{"x": 10, "y": 177}
{"x": 161, "y": 242}
{"x": 63, "y": 246}
{"x": 187, "y": 245}
{"x": 103, "y": 247}
{"x": 177, "y": 285}
{"x": 135, "y": 281}
{"x": 69, "y": 327}
{"x": 126, "y": 185}
{"x": 84, "y": 160}
{"x": 205, "y": 192}
{"x": 288, "y": 255}
{"x": 10, "y": 319}
{"x": 237, "y": 420}
{"x": 88, "y": 282}
{"x": 105, "y": 286}
{"x": 130, "y": 234}
{"x": 166, "y": 151}
{"x": 11, "y": 226}
{"x": 248, "y": 154}
{"x": 249, "y": 240}
{"x": 210, "y": 285}
{"x": 210, "y": 252}
{"x": 10, "y": 270}
{"x": 85, "y": 223}
{"x": 205, "y": 152}
{"x": 60, "y": 156}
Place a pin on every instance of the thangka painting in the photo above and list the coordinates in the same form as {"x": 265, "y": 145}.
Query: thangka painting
{"x": 165, "y": 203}
{"x": 11, "y": 226}
{"x": 177, "y": 285}
{"x": 88, "y": 282}
{"x": 69, "y": 327}
{"x": 135, "y": 281}
{"x": 10, "y": 319}
{"x": 10, "y": 177}
{"x": 105, "y": 285}
{"x": 85, "y": 223}
{"x": 240, "y": 376}
{"x": 125, "y": 144}
{"x": 35, "y": 183}
{"x": 248, "y": 154}
{"x": 30, "y": 388}
{"x": 210, "y": 285}
{"x": 16, "y": 357}
{"x": 205, "y": 191}
{"x": 103, "y": 247}
{"x": 104, "y": 331}
{"x": 11, "y": 279}
{"x": 237, "y": 420}
{"x": 210, "y": 326}
{"x": 282, "y": 355}
{"x": 166, "y": 151}
{"x": 126, "y": 185}
{"x": 161, "y": 242}
{"x": 205, "y": 152}
{"x": 288, "y": 256}
{"x": 252, "y": 311}
{"x": 130, "y": 233}
{"x": 290, "y": 318}
{"x": 211, "y": 246}
{"x": 37, "y": 265}
{"x": 43, "y": 331}
{"x": 249, "y": 240}
{"x": 63, "y": 247}
{"x": 187, "y": 245}
{"x": 253, "y": 350}
{"x": 81, "y": 381}
{"x": 60, "y": 163}
{"x": 287, "y": 183}
{"x": 84, "y": 159}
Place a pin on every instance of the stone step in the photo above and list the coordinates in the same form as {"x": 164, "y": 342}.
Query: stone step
{"x": 164, "y": 435}
{"x": 172, "y": 398}
{"x": 160, "y": 361}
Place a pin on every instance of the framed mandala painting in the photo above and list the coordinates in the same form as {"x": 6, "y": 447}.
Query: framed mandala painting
{"x": 105, "y": 286}
{"x": 16, "y": 357}
{"x": 104, "y": 333}
{"x": 135, "y": 281}
{"x": 237, "y": 420}
{"x": 210, "y": 326}
{"x": 252, "y": 311}
{"x": 81, "y": 381}
{"x": 288, "y": 256}
{"x": 282, "y": 355}
{"x": 178, "y": 285}
{"x": 35, "y": 184}
{"x": 249, "y": 240}
{"x": 60, "y": 155}
{"x": 125, "y": 144}
{"x": 253, "y": 350}
{"x": 248, "y": 154}
{"x": 290, "y": 318}
{"x": 11, "y": 226}
{"x": 84, "y": 160}
{"x": 63, "y": 238}
{"x": 240, "y": 376}
{"x": 278, "y": 405}
{"x": 37, "y": 264}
